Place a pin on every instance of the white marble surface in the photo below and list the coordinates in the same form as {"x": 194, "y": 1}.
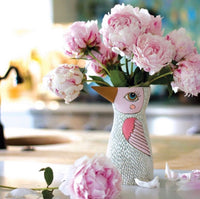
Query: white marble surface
{"x": 26, "y": 174}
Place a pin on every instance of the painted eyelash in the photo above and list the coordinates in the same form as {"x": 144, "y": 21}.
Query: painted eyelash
{"x": 137, "y": 93}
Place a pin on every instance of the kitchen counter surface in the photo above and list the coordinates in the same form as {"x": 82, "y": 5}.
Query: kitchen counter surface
{"x": 181, "y": 152}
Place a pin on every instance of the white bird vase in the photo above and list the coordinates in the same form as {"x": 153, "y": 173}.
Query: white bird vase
{"x": 129, "y": 146}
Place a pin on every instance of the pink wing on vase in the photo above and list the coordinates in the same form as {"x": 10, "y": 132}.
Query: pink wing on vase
{"x": 134, "y": 134}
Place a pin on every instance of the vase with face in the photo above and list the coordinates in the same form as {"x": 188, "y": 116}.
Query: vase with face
{"x": 129, "y": 146}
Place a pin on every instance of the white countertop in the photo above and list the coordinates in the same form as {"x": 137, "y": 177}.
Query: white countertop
{"x": 20, "y": 168}
{"x": 26, "y": 174}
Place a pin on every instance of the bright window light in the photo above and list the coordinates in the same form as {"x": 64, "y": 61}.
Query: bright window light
{"x": 25, "y": 14}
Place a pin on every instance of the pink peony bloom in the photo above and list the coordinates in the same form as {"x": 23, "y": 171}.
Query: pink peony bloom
{"x": 94, "y": 178}
{"x": 183, "y": 44}
{"x": 81, "y": 36}
{"x": 152, "y": 53}
{"x": 148, "y": 23}
{"x": 65, "y": 81}
{"x": 186, "y": 76}
{"x": 155, "y": 26}
{"x": 106, "y": 56}
{"x": 121, "y": 28}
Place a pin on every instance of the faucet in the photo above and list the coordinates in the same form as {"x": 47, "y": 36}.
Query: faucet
{"x": 19, "y": 80}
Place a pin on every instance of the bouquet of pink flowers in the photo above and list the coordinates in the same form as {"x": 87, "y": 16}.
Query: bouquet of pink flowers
{"x": 130, "y": 48}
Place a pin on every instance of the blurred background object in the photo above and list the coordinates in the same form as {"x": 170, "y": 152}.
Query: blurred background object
{"x": 18, "y": 80}
{"x": 31, "y": 40}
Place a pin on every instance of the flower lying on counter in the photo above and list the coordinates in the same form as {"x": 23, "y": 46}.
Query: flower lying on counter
{"x": 93, "y": 178}
{"x": 96, "y": 178}
{"x": 130, "y": 49}
{"x": 87, "y": 179}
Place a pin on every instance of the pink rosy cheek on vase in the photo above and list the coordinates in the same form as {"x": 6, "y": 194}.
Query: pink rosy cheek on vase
{"x": 132, "y": 106}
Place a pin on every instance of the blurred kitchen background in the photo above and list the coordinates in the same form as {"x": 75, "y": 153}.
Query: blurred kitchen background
{"x": 31, "y": 40}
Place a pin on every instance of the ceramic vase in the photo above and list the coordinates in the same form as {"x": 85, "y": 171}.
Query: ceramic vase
{"x": 129, "y": 146}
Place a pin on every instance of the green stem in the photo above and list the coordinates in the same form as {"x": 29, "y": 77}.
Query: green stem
{"x": 7, "y": 187}
{"x": 132, "y": 69}
{"x": 35, "y": 189}
{"x": 98, "y": 82}
{"x": 163, "y": 75}
{"x": 152, "y": 80}
{"x": 41, "y": 189}
{"x": 102, "y": 65}
{"x": 127, "y": 71}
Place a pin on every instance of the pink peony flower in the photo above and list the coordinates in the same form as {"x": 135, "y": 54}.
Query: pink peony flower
{"x": 148, "y": 23}
{"x": 183, "y": 44}
{"x": 152, "y": 53}
{"x": 81, "y": 36}
{"x": 106, "y": 56}
{"x": 65, "y": 81}
{"x": 155, "y": 26}
{"x": 186, "y": 76}
{"x": 121, "y": 28}
{"x": 94, "y": 178}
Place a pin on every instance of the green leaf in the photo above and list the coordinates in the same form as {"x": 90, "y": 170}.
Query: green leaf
{"x": 118, "y": 78}
{"x": 138, "y": 76}
{"x": 100, "y": 81}
{"x": 83, "y": 70}
{"x": 47, "y": 194}
{"x": 145, "y": 76}
{"x": 165, "y": 69}
{"x": 48, "y": 175}
{"x": 164, "y": 80}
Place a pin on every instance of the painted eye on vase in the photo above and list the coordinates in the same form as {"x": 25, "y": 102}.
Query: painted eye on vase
{"x": 133, "y": 97}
